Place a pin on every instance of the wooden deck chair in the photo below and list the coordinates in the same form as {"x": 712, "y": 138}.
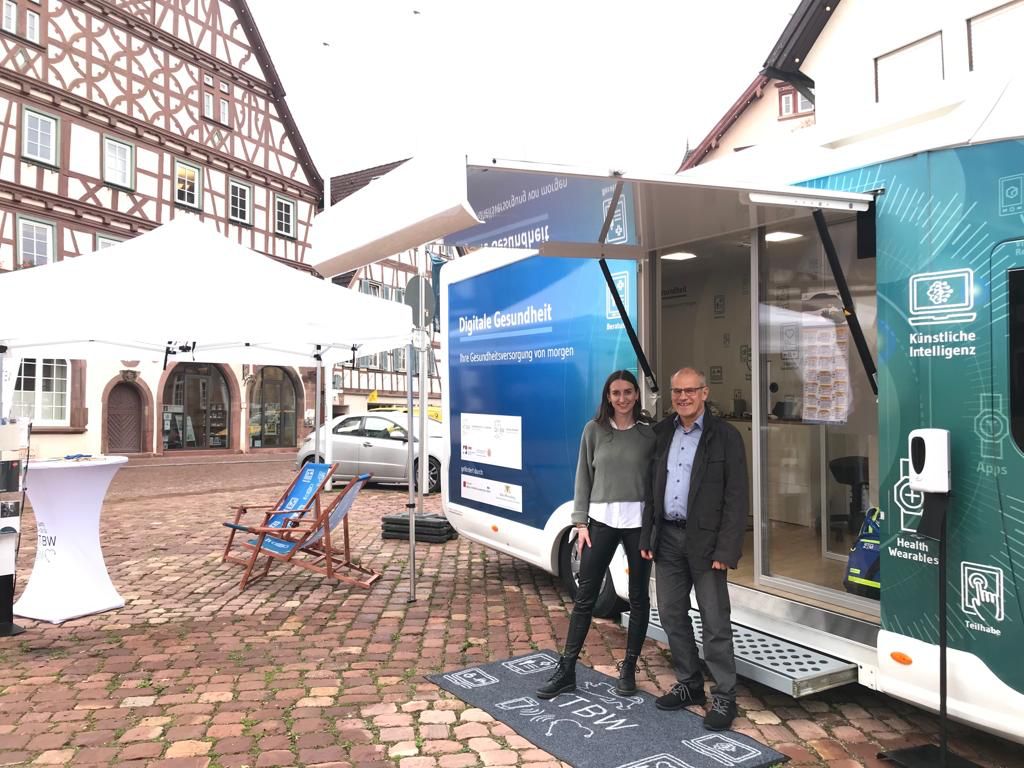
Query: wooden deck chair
{"x": 298, "y": 499}
{"x": 307, "y": 543}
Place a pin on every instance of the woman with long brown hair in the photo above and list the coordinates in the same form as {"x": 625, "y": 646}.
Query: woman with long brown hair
{"x": 612, "y": 486}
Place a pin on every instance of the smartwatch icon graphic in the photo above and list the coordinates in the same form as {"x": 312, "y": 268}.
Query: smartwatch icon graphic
{"x": 991, "y": 426}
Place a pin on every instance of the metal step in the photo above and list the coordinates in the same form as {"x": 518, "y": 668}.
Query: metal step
{"x": 779, "y": 664}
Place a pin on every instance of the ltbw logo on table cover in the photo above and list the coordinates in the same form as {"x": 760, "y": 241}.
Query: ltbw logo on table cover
{"x": 605, "y": 692}
{"x": 531, "y": 665}
{"x": 662, "y": 760}
{"x": 722, "y": 749}
{"x": 471, "y": 678}
{"x": 534, "y": 711}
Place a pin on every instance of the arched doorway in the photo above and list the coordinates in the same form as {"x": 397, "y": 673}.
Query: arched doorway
{"x": 124, "y": 420}
{"x": 196, "y": 406}
{"x": 272, "y": 410}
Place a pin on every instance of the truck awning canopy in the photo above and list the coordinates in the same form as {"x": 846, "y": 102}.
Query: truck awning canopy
{"x": 557, "y": 209}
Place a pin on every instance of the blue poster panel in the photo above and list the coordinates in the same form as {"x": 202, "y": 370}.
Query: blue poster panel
{"x": 529, "y": 347}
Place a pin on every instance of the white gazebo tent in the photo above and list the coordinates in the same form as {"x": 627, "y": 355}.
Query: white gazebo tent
{"x": 76, "y": 308}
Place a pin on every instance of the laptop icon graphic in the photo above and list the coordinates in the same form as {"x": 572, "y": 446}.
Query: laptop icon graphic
{"x": 942, "y": 297}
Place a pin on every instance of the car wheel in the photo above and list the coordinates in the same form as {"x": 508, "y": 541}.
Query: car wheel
{"x": 607, "y": 604}
{"x": 433, "y": 475}
{"x": 311, "y": 458}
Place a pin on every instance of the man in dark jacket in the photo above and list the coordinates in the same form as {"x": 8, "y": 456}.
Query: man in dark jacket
{"x": 693, "y": 529}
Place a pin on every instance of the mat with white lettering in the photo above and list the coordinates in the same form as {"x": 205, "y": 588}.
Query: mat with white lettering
{"x": 593, "y": 726}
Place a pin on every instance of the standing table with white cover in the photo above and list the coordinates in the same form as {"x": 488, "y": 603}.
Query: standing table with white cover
{"x": 69, "y": 578}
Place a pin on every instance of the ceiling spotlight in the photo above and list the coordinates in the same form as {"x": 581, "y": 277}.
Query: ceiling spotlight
{"x": 781, "y": 237}
{"x": 678, "y": 256}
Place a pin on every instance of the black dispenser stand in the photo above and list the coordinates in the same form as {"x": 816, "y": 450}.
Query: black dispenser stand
{"x": 933, "y": 526}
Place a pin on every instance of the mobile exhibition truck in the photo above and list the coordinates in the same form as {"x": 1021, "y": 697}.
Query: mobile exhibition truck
{"x": 883, "y": 294}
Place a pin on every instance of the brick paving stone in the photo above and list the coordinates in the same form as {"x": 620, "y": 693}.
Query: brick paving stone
{"x": 141, "y": 751}
{"x": 95, "y": 756}
{"x": 299, "y": 672}
{"x": 188, "y": 748}
{"x": 457, "y": 761}
{"x": 807, "y": 730}
{"x": 55, "y": 757}
{"x": 500, "y": 757}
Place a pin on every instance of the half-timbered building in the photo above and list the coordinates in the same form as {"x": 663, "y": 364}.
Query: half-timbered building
{"x": 117, "y": 116}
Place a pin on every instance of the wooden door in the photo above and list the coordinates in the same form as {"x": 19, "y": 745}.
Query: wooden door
{"x": 124, "y": 420}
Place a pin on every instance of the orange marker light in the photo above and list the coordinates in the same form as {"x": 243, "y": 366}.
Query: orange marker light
{"x": 494, "y": 528}
{"x": 901, "y": 658}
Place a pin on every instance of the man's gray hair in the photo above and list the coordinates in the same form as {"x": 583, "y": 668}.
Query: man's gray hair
{"x": 699, "y": 373}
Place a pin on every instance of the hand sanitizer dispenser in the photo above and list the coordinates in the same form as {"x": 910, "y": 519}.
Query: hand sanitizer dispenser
{"x": 929, "y": 460}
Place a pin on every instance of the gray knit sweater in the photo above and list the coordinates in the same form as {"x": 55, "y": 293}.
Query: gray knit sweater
{"x": 614, "y": 465}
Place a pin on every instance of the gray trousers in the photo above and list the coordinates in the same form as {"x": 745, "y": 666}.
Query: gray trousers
{"x": 676, "y": 576}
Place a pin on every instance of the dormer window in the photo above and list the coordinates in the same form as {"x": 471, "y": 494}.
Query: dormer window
{"x": 792, "y": 103}
{"x": 218, "y": 99}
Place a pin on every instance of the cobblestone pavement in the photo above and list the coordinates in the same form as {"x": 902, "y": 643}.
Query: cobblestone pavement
{"x": 298, "y": 672}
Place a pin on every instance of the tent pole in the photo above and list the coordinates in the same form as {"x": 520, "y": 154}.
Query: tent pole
{"x": 3, "y": 413}
{"x": 424, "y": 387}
{"x": 410, "y": 505}
{"x": 328, "y": 420}
{"x": 316, "y": 404}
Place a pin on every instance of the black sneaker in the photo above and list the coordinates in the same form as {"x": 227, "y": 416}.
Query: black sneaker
{"x": 721, "y": 714}
{"x": 562, "y": 681}
{"x": 681, "y": 695}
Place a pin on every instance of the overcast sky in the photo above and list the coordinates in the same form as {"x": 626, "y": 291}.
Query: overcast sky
{"x": 614, "y": 85}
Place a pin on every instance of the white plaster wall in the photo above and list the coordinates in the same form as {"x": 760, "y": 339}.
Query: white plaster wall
{"x": 842, "y": 62}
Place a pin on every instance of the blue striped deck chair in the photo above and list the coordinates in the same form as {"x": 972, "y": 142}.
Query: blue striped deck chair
{"x": 299, "y": 498}
{"x": 310, "y": 543}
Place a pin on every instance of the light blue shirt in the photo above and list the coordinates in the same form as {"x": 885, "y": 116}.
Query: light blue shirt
{"x": 679, "y": 465}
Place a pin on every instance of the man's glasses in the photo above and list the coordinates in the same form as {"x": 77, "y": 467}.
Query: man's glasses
{"x": 688, "y": 391}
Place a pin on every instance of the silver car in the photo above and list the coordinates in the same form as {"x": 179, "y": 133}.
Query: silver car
{"x": 377, "y": 443}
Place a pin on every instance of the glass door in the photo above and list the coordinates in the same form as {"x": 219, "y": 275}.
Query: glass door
{"x": 818, "y": 414}
{"x": 196, "y": 395}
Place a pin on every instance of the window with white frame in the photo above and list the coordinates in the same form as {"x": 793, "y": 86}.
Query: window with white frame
{"x": 105, "y": 241}
{"x": 398, "y": 358}
{"x": 188, "y": 184}
{"x": 39, "y": 137}
{"x": 792, "y": 103}
{"x": 10, "y": 17}
{"x": 118, "y": 163}
{"x": 224, "y": 103}
{"x": 41, "y": 392}
{"x": 35, "y": 242}
{"x": 284, "y": 216}
{"x": 32, "y": 26}
{"x": 398, "y": 354}
{"x": 239, "y": 201}
{"x": 371, "y": 288}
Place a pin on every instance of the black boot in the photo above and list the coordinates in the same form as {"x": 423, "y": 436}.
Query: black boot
{"x": 562, "y": 681}
{"x": 627, "y": 675}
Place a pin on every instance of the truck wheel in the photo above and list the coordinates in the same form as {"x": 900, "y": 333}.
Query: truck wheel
{"x": 608, "y": 604}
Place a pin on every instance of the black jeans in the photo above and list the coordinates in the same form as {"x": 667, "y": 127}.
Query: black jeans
{"x": 593, "y": 564}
